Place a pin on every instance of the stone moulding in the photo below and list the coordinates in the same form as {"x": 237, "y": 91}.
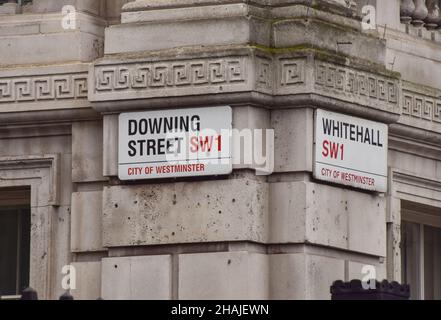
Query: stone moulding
{"x": 426, "y": 190}
{"x": 357, "y": 84}
{"x": 273, "y": 76}
{"x": 42, "y": 173}
{"x": 43, "y": 88}
{"x": 421, "y": 107}
{"x": 169, "y": 78}
{"x": 269, "y": 79}
{"x": 50, "y": 161}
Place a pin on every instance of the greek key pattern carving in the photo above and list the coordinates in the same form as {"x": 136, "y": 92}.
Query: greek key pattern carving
{"x": 264, "y": 74}
{"x": 142, "y": 76}
{"x": 356, "y": 83}
{"x": 269, "y": 75}
{"x": 292, "y": 72}
{"x": 41, "y": 88}
{"x": 421, "y": 106}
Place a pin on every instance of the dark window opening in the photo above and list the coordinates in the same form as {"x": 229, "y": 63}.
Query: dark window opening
{"x": 15, "y": 230}
{"x": 421, "y": 250}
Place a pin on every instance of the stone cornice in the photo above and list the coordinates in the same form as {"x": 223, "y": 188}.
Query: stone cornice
{"x": 421, "y": 107}
{"x": 43, "y": 88}
{"x": 235, "y": 75}
{"x": 277, "y": 78}
{"x": 143, "y": 5}
{"x": 50, "y": 161}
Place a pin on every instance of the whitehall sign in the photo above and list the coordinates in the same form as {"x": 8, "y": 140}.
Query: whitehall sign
{"x": 175, "y": 143}
{"x": 350, "y": 151}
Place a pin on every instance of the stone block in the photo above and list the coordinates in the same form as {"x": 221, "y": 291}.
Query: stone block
{"x": 300, "y": 276}
{"x": 288, "y": 212}
{"x": 86, "y": 230}
{"x": 110, "y": 145}
{"x": 328, "y": 216}
{"x": 294, "y": 134}
{"x": 251, "y": 124}
{"x": 88, "y": 280}
{"x": 415, "y": 164}
{"x": 186, "y": 212}
{"x": 34, "y": 34}
{"x": 9, "y": 8}
{"x": 91, "y": 6}
{"x": 59, "y": 253}
{"x": 225, "y": 275}
{"x": 295, "y": 32}
{"x": 288, "y": 276}
{"x": 136, "y": 278}
{"x": 157, "y": 36}
{"x": 87, "y": 151}
{"x": 321, "y": 272}
{"x": 367, "y": 224}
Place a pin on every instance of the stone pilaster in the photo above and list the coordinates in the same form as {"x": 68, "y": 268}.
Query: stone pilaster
{"x": 274, "y": 62}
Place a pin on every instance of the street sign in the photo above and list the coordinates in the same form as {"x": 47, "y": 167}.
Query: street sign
{"x": 175, "y": 143}
{"x": 350, "y": 151}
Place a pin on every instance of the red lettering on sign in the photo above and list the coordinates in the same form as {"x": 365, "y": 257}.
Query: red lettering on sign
{"x": 333, "y": 150}
{"x": 205, "y": 144}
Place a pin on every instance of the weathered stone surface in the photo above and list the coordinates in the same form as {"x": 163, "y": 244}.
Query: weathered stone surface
{"x": 300, "y": 276}
{"x": 229, "y": 275}
{"x": 41, "y": 222}
{"x": 421, "y": 106}
{"x": 274, "y": 61}
{"x": 88, "y": 280}
{"x": 110, "y": 145}
{"x": 45, "y": 6}
{"x": 296, "y": 76}
{"x": 43, "y": 32}
{"x": 87, "y": 152}
{"x": 144, "y": 37}
{"x": 251, "y": 123}
{"x": 186, "y": 212}
{"x": 59, "y": 250}
{"x": 350, "y": 219}
{"x": 9, "y": 8}
{"x": 136, "y": 278}
{"x": 413, "y": 163}
{"x": 40, "y": 88}
{"x": 294, "y": 134}
{"x": 175, "y": 13}
{"x": 86, "y": 230}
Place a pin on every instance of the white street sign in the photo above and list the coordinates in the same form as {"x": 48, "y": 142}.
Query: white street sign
{"x": 350, "y": 151}
{"x": 175, "y": 143}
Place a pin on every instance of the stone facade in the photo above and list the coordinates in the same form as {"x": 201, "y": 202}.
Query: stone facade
{"x": 245, "y": 236}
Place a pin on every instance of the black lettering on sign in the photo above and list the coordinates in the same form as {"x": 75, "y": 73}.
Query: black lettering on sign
{"x": 164, "y": 125}
{"x": 348, "y": 131}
